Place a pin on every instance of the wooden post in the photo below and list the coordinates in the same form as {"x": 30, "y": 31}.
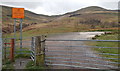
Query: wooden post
{"x": 39, "y": 50}
{"x": 43, "y": 48}
{"x": 12, "y": 50}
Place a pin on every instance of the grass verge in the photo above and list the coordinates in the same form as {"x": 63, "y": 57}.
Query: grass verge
{"x": 8, "y": 65}
{"x": 31, "y": 65}
{"x": 112, "y": 50}
{"x": 25, "y": 53}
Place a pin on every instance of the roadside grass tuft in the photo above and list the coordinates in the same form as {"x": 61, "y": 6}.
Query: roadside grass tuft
{"x": 31, "y": 65}
{"x": 8, "y": 64}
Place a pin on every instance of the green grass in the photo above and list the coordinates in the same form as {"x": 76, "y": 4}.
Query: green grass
{"x": 25, "y": 55}
{"x": 8, "y": 65}
{"x": 31, "y": 65}
{"x": 40, "y": 31}
{"x": 104, "y": 30}
{"x": 46, "y": 30}
{"x": 107, "y": 44}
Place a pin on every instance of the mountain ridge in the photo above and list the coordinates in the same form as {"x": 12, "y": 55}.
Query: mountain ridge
{"x": 85, "y": 16}
{"x": 98, "y": 8}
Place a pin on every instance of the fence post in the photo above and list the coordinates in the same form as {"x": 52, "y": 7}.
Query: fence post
{"x": 12, "y": 50}
{"x": 39, "y": 49}
{"x": 43, "y": 48}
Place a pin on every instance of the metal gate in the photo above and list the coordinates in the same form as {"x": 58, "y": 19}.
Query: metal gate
{"x": 25, "y": 51}
{"x": 75, "y": 54}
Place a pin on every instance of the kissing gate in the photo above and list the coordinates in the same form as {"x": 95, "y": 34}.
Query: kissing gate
{"x": 73, "y": 54}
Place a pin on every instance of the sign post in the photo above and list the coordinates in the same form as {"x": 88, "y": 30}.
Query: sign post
{"x": 20, "y": 34}
{"x": 18, "y": 13}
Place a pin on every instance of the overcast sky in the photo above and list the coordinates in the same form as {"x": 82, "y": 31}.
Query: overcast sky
{"x": 56, "y": 7}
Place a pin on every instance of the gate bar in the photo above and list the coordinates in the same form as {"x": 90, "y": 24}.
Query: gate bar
{"x": 84, "y": 40}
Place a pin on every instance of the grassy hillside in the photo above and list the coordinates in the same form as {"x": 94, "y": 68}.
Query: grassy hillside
{"x": 30, "y": 19}
{"x": 81, "y": 20}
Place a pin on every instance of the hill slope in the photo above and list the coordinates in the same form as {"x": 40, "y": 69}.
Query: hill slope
{"x": 30, "y": 18}
{"x": 83, "y": 19}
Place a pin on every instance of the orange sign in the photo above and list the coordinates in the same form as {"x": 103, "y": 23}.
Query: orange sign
{"x": 17, "y": 12}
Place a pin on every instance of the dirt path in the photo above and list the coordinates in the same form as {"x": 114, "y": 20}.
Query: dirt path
{"x": 21, "y": 63}
{"x": 74, "y": 57}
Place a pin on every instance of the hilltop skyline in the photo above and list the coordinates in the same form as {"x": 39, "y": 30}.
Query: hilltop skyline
{"x": 57, "y": 7}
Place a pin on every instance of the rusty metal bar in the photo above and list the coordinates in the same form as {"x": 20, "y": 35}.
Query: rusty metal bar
{"x": 12, "y": 50}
